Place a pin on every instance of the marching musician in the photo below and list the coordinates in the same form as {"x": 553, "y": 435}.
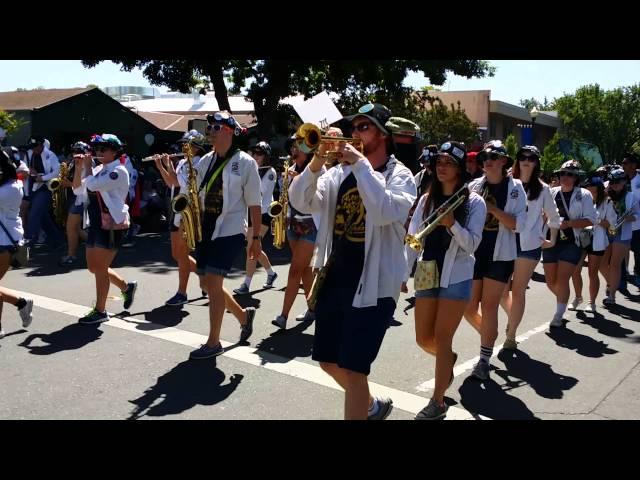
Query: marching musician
{"x": 76, "y": 206}
{"x": 626, "y": 208}
{"x": 449, "y": 247}
{"x": 575, "y": 206}
{"x": 229, "y": 183}
{"x": 506, "y": 204}
{"x": 177, "y": 180}
{"x": 106, "y": 187}
{"x": 10, "y": 235}
{"x": 363, "y": 205}
{"x": 530, "y": 236}
{"x": 302, "y": 231}
{"x": 43, "y": 165}
{"x": 261, "y": 153}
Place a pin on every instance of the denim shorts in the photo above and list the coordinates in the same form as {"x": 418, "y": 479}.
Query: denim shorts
{"x": 534, "y": 254}
{"x": 308, "y": 232}
{"x": 76, "y": 209}
{"x": 455, "y": 291}
{"x": 565, "y": 252}
{"x": 347, "y": 336}
{"x": 108, "y": 239}
{"x": 216, "y": 257}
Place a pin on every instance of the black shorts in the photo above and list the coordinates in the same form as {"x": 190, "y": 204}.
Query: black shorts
{"x": 562, "y": 251}
{"x": 597, "y": 253}
{"x": 485, "y": 267}
{"x": 109, "y": 239}
{"x": 266, "y": 220}
{"x": 217, "y": 256}
{"x": 347, "y": 336}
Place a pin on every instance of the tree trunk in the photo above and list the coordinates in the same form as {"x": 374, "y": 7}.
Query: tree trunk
{"x": 215, "y": 71}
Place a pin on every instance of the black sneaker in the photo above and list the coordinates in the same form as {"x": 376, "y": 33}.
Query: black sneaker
{"x": 205, "y": 351}
{"x": 433, "y": 411}
{"x": 94, "y": 317}
{"x": 247, "y": 329}
{"x": 270, "y": 280}
{"x": 129, "y": 294}
{"x": 385, "y": 405}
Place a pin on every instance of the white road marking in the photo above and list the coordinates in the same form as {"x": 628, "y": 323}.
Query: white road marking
{"x": 469, "y": 364}
{"x": 403, "y": 400}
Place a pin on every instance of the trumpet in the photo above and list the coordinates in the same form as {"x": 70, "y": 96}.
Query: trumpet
{"x": 309, "y": 138}
{"x": 153, "y": 157}
{"x": 613, "y": 229}
{"x": 434, "y": 219}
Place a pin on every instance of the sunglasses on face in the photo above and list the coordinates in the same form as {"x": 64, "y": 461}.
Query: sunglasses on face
{"x": 361, "y": 127}
{"x": 216, "y": 127}
{"x": 527, "y": 158}
{"x": 567, "y": 174}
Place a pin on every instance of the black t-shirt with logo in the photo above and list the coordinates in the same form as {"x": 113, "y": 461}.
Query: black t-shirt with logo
{"x": 568, "y": 232}
{"x": 213, "y": 199}
{"x": 36, "y": 163}
{"x": 348, "y": 235}
{"x": 437, "y": 242}
{"x": 497, "y": 194}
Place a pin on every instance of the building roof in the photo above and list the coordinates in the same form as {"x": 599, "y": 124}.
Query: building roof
{"x": 520, "y": 113}
{"x": 32, "y": 99}
{"x": 205, "y": 104}
{"x": 168, "y": 121}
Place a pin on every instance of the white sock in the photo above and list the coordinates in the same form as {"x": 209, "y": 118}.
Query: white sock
{"x": 560, "y": 309}
{"x": 375, "y": 407}
{"x": 270, "y": 271}
{"x": 247, "y": 280}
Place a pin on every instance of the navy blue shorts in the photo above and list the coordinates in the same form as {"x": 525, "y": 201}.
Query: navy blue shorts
{"x": 534, "y": 254}
{"x": 500, "y": 271}
{"x": 108, "y": 239}
{"x": 76, "y": 209}
{"x": 455, "y": 291}
{"x": 590, "y": 251}
{"x": 617, "y": 238}
{"x": 347, "y": 336}
{"x": 562, "y": 252}
{"x": 216, "y": 257}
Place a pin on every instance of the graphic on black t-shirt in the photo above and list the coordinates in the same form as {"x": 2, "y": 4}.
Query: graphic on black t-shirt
{"x": 566, "y": 235}
{"x": 213, "y": 201}
{"x": 496, "y": 195}
{"x": 350, "y": 211}
{"x": 437, "y": 242}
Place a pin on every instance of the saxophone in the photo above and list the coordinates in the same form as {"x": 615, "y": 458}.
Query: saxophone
{"x": 188, "y": 205}
{"x": 278, "y": 210}
{"x": 59, "y": 195}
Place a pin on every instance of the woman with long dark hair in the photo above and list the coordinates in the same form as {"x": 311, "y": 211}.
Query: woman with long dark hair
{"x": 575, "y": 206}
{"x": 530, "y": 239}
{"x": 606, "y": 216}
{"x": 448, "y": 250}
{"x": 11, "y": 234}
{"x": 106, "y": 187}
{"x": 301, "y": 234}
{"x": 506, "y": 203}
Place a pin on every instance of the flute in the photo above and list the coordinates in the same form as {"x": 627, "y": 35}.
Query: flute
{"x": 153, "y": 157}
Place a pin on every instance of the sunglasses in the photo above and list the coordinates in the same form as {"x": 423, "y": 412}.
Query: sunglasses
{"x": 567, "y": 174}
{"x": 527, "y": 158}
{"x": 361, "y": 127}
{"x": 216, "y": 127}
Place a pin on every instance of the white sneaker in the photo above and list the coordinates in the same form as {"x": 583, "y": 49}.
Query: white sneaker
{"x": 25, "y": 313}
{"x": 306, "y": 316}
{"x": 280, "y": 322}
{"x": 590, "y": 308}
{"x": 557, "y": 321}
{"x": 2, "y": 333}
{"x": 576, "y": 303}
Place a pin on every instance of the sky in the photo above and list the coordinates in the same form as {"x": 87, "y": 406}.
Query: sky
{"x": 513, "y": 80}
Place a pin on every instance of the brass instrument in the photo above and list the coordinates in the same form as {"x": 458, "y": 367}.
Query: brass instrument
{"x": 188, "y": 205}
{"x": 309, "y": 138}
{"x": 59, "y": 195}
{"x": 613, "y": 229}
{"x": 278, "y": 210}
{"x": 434, "y": 219}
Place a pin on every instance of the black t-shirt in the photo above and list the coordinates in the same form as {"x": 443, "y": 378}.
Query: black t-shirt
{"x": 36, "y": 163}
{"x": 293, "y": 211}
{"x": 93, "y": 210}
{"x": 498, "y": 195}
{"x": 568, "y": 233}
{"x": 213, "y": 199}
{"x": 437, "y": 243}
{"x": 348, "y": 246}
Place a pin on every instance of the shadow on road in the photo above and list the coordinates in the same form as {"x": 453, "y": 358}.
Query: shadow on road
{"x": 488, "y": 399}
{"x": 71, "y": 337}
{"x": 159, "y": 317}
{"x": 582, "y": 344}
{"x": 188, "y": 384}
{"x": 604, "y": 326}
{"x": 538, "y": 375}
{"x": 290, "y": 344}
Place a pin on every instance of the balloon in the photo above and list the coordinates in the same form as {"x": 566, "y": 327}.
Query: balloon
{"x": 149, "y": 139}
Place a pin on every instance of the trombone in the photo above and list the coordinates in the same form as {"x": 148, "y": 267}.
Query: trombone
{"x": 309, "y": 138}
{"x": 434, "y": 219}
